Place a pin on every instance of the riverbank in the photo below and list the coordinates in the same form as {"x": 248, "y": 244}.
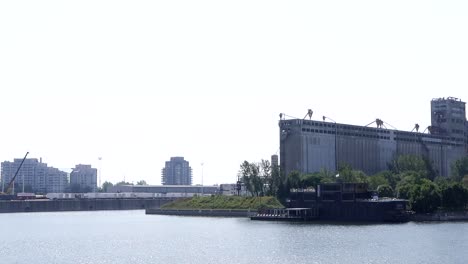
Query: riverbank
{"x": 205, "y": 212}
{"x": 81, "y": 205}
{"x": 216, "y": 206}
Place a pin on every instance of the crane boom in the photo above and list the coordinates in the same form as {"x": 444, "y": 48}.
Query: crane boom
{"x": 8, "y": 189}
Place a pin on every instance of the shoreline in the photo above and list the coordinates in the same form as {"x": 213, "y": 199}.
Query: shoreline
{"x": 417, "y": 218}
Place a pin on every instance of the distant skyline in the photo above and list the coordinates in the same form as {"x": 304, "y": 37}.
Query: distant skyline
{"x": 139, "y": 82}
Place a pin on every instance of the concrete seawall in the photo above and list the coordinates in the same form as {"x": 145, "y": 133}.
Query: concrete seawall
{"x": 216, "y": 213}
{"x": 80, "y": 205}
{"x": 442, "y": 216}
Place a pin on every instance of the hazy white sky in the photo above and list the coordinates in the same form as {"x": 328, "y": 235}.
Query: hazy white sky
{"x": 137, "y": 82}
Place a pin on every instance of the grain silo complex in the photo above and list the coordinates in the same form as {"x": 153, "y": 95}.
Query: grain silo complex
{"x": 309, "y": 146}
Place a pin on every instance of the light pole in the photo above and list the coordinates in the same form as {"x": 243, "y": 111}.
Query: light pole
{"x": 202, "y": 178}
{"x": 336, "y": 136}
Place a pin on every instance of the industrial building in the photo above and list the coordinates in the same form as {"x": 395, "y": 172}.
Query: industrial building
{"x": 166, "y": 190}
{"x": 309, "y": 146}
{"x": 35, "y": 176}
{"x": 85, "y": 177}
{"x": 177, "y": 172}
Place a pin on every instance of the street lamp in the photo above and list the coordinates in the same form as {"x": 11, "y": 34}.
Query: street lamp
{"x": 336, "y": 136}
{"x": 202, "y": 178}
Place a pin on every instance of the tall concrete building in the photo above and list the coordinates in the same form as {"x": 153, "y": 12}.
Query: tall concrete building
{"x": 177, "y": 172}
{"x": 309, "y": 146}
{"x": 36, "y": 176}
{"x": 274, "y": 161}
{"x": 85, "y": 177}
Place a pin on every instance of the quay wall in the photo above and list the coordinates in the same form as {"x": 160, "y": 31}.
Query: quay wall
{"x": 81, "y": 205}
{"x": 205, "y": 212}
{"x": 440, "y": 216}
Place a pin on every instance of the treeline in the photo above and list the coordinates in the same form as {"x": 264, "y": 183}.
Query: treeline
{"x": 408, "y": 177}
{"x": 106, "y": 185}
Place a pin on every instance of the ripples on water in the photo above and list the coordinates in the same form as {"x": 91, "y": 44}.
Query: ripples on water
{"x": 133, "y": 237}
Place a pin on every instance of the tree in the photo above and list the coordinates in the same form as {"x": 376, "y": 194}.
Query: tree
{"x": 347, "y": 174}
{"x": 294, "y": 180}
{"x": 270, "y": 184}
{"x": 460, "y": 169}
{"x": 385, "y": 191}
{"x": 392, "y": 178}
{"x": 405, "y": 186}
{"x": 454, "y": 196}
{"x": 122, "y": 183}
{"x": 142, "y": 182}
{"x": 277, "y": 181}
{"x": 106, "y": 185}
{"x": 376, "y": 181}
{"x": 412, "y": 163}
{"x": 250, "y": 176}
{"x": 425, "y": 197}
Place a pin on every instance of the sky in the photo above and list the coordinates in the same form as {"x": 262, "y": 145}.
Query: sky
{"x": 137, "y": 82}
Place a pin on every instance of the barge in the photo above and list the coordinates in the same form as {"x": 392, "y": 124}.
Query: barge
{"x": 338, "y": 202}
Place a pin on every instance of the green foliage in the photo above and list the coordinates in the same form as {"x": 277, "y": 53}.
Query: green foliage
{"x": 405, "y": 186}
{"x": 391, "y": 178}
{"x": 142, "y": 182}
{"x": 311, "y": 180}
{"x": 347, "y": 174}
{"x": 225, "y": 202}
{"x": 250, "y": 176}
{"x": 262, "y": 178}
{"x": 465, "y": 181}
{"x": 425, "y": 197}
{"x": 106, "y": 185}
{"x": 415, "y": 164}
{"x": 294, "y": 180}
{"x": 460, "y": 169}
{"x": 454, "y": 196}
{"x": 385, "y": 191}
{"x": 376, "y": 181}
{"x": 410, "y": 177}
{"x": 123, "y": 183}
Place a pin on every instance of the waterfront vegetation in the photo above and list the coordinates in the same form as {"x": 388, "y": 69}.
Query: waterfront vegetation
{"x": 408, "y": 177}
{"x": 225, "y": 202}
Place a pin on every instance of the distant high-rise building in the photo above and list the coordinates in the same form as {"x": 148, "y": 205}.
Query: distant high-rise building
{"x": 36, "y": 176}
{"x": 85, "y": 177}
{"x": 274, "y": 160}
{"x": 177, "y": 172}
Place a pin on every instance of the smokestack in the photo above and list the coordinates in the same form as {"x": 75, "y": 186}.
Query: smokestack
{"x": 40, "y": 160}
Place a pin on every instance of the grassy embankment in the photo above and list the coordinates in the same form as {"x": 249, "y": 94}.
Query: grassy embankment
{"x": 225, "y": 202}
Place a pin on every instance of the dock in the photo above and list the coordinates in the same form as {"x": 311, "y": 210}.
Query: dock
{"x": 287, "y": 214}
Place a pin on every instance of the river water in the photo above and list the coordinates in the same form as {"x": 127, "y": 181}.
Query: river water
{"x": 133, "y": 237}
